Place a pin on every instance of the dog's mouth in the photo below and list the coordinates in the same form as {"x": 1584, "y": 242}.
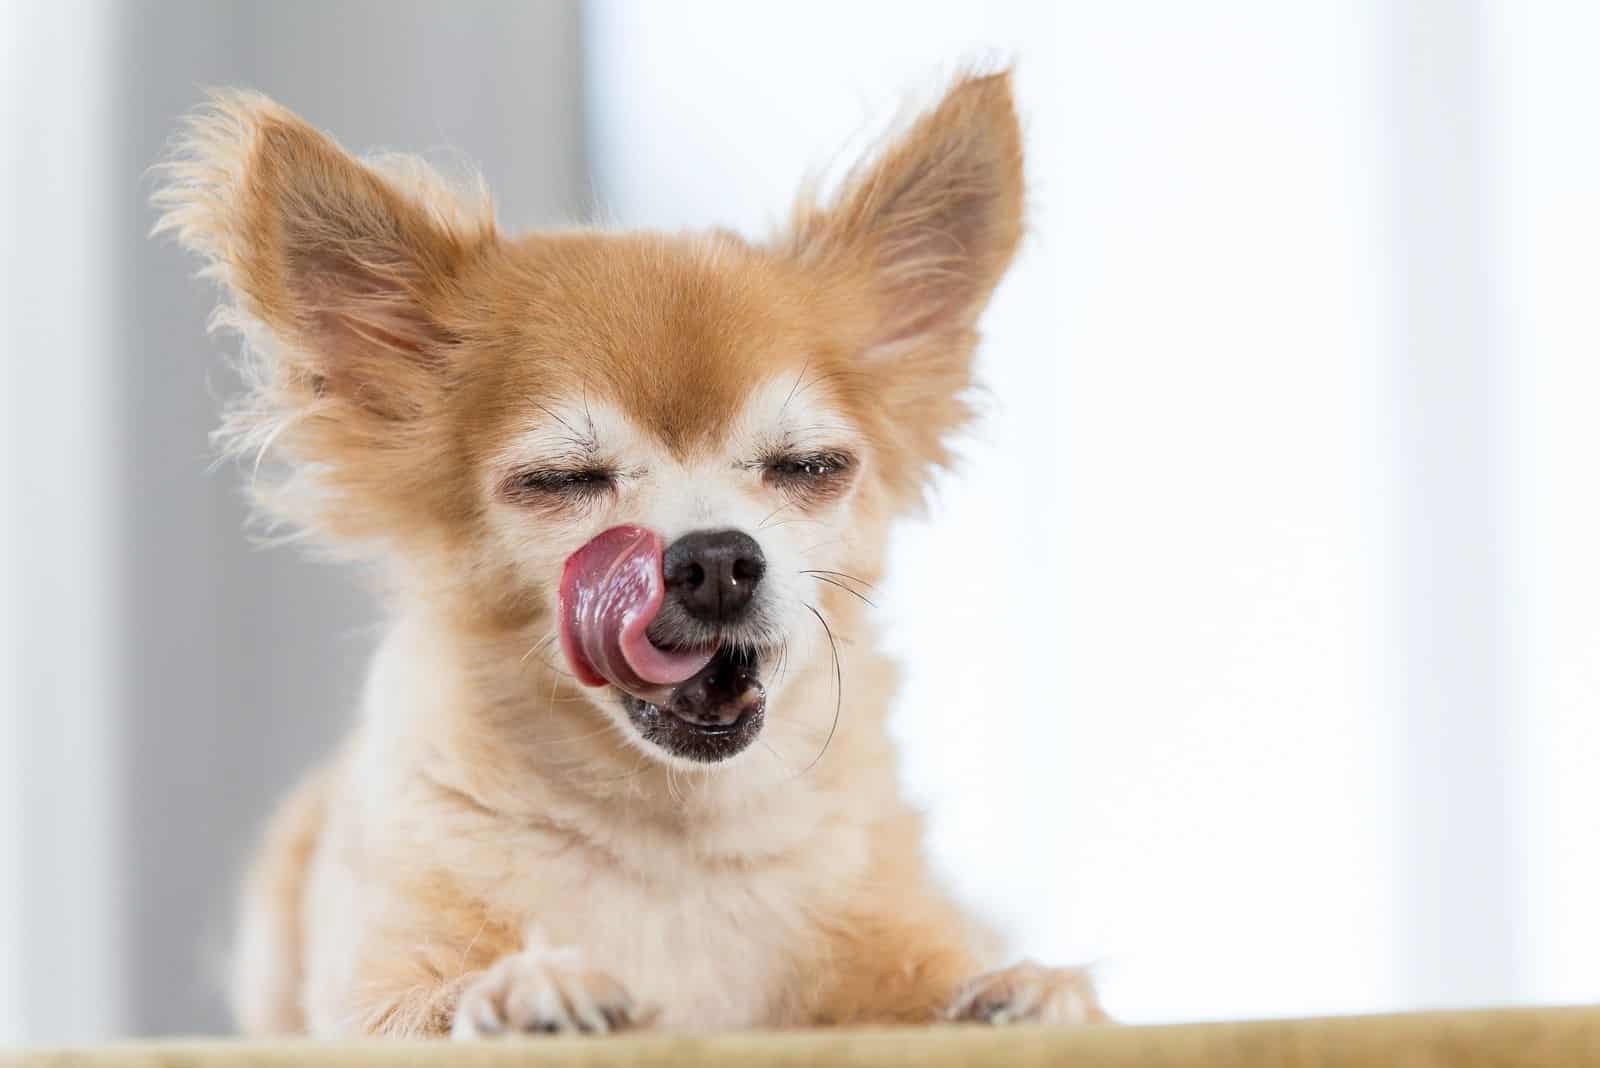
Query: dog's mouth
{"x": 710, "y": 716}
{"x": 702, "y": 704}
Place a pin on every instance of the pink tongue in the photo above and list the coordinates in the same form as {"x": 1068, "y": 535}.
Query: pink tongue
{"x": 611, "y": 590}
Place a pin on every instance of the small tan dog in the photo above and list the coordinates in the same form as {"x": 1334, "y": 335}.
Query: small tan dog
{"x": 622, "y": 758}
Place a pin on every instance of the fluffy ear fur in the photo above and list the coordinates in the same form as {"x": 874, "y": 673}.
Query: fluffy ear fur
{"x": 342, "y": 276}
{"x": 935, "y": 217}
{"x": 925, "y": 230}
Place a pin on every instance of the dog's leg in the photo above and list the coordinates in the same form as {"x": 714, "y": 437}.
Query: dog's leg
{"x": 904, "y": 952}
{"x": 477, "y": 984}
{"x": 897, "y": 970}
{"x": 899, "y": 950}
{"x": 268, "y": 958}
{"x": 886, "y": 968}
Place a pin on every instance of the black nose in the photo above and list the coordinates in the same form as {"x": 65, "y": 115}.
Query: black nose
{"x": 713, "y": 573}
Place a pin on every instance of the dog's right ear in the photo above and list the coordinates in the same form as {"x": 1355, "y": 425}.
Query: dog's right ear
{"x": 345, "y": 278}
{"x": 349, "y": 272}
{"x": 923, "y": 230}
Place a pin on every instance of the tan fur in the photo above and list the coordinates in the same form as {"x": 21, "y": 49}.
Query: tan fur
{"x": 269, "y": 970}
{"x": 496, "y": 849}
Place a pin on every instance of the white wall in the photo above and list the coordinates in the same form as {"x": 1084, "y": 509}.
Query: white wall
{"x": 10, "y": 655}
{"x": 1248, "y": 716}
{"x": 60, "y": 939}
{"x": 1546, "y": 83}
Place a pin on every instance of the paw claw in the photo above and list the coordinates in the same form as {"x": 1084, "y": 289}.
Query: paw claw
{"x": 1028, "y": 993}
{"x": 540, "y": 991}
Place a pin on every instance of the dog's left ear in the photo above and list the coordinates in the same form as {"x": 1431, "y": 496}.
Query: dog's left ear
{"x": 934, "y": 219}
{"x": 908, "y": 255}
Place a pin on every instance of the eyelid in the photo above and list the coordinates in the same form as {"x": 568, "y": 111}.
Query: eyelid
{"x": 836, "y": 458}
{"x": 815, "y": 487}
{"x": 545, "y": 484}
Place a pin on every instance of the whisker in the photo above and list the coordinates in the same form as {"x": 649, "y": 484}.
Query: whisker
{"x": 555, "y": 688}
{"x": 799, "y": 378}
{"x": 537, "y": 648}
{"x": 571, "y": 739}
{"x": 642, "y": 766}
{"x": 588, "y": 416}
{"x": 782, "y": 669}
{"x": 841, "y": 574}
{"x": 821, "y": 545}
{"x": 838, "y": 686}
{"x": 839, "y": 585}
{"x": 579, "y": 441}
{"x": 775, "y": 511}
{"x": 782, "y": 763}
{"x": 786, "y": 522}
{"x": 841, "y": 428}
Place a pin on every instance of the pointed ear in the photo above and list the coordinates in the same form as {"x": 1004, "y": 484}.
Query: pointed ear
{"x": 345, "y": 278}
{"x": 935, "y": 218}
{"x": 350, "y": 271}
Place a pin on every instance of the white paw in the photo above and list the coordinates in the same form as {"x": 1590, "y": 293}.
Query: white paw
{"x": 544, "y": 991}
{"x": 1028, "y": 993}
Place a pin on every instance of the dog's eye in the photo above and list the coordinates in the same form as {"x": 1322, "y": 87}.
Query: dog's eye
{"x": 578, "y": 484}
{"x": 817, "y": 475}
{"x": 807, "y": 467}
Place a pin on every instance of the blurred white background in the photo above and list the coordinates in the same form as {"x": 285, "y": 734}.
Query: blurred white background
{"x": 1254, "y": 651}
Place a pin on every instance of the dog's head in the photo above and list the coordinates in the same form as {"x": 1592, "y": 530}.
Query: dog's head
{"x": 530, "y": 423}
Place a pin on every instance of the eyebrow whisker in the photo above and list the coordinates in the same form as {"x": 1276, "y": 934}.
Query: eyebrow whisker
{"x": 801, "y": 377}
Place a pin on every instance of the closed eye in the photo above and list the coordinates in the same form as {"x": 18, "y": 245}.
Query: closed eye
{"x": 545, "y": 486}
{"x": 816, "y": 476}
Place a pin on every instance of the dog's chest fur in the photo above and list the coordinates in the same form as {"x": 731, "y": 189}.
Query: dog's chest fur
{"x": 713, "y": 947}
{"x": 708, "y": 915}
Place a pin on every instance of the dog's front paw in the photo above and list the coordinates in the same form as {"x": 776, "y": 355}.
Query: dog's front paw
{"x": 545, "y": 991}
{"x": 1028, "y": 993}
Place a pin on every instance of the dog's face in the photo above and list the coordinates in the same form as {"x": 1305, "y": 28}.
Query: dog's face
{"x": 712, "y": 416}
{"x": 479, "y": 408}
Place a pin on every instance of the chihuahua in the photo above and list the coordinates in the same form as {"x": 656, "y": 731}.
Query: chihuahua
{"x": 621, "y": 760}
